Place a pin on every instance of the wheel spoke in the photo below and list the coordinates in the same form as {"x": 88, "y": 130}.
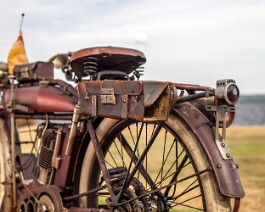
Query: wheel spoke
{"x": 163, "y": 159}
{"x": 141, "y": 158}
{"x": 171, "y": 147}
{"x": 113, "y": 158}
{"x": 120, "y": 153}
{"x": 188, "y": 206}
{"x": 174, "y": 178}
{"x": 155, "y": 156}
{"x": 186, "y": 191}
{"x": 190, "y": 185}
{"x": 134, "y": 158}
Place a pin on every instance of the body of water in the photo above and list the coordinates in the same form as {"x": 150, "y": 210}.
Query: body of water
{"x": 250, "y": 110}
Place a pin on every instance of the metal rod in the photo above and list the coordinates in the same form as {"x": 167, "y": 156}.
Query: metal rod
{"x": 191, "y": 97}
{"x": 174, "y": 178}
{"x": 135, "y": 159}
{"x": 75, "y": 120}
{"x": 236, "y": 205}
{"x": 55, "y": 158}
{"x": 43, "y": 116}
{"x": 191, "y": 87}
{"x": 12, "y": 123}
{"x": 140, "y": 161}
{"x": 100, "y": 158}
{"x": 21, "y": 22}
{"x": 163, "y": 187}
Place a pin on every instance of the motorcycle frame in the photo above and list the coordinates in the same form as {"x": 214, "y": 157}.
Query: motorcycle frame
{"x": 225, "y": 171}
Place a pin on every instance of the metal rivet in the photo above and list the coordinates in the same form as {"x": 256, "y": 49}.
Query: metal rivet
{"x": 228, "y": 155}
{"x": 222, "y": 144}
{"x": 219, "y": 166}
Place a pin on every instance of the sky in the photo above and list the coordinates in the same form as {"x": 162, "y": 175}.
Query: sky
{"x": 184, "y": 41}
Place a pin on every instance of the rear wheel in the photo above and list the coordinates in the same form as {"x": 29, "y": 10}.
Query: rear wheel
{"x": 174, "y": 174}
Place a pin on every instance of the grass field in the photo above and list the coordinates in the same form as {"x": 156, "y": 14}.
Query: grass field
{"x": 247, "y": 145}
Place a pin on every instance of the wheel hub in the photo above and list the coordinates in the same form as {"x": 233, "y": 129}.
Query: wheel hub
{"x": 136, "y": 193}
{"x": 45, "y": 204}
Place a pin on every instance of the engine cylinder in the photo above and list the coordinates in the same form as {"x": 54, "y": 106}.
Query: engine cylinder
{"x": 45, "y": 156}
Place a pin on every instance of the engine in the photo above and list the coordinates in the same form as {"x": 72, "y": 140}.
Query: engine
{"x": 47, "y": 138}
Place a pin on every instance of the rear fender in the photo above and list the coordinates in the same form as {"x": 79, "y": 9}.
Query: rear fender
{"x": 225, "y": 171}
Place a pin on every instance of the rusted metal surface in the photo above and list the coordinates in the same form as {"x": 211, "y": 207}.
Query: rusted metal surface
{"x": 192, "y": 87}
{"x": 116, "y": 99}
{"x": 63, "y": 175}
{"x": 225, "y": 170}
{"x": 109, "y": 58}
{"x": 100, "y": 158}
{"x": 43, "y": 116}
{"x": 42, "y": 99}
{"x": 34, "y": 71}
{"x": 236, "y": 205}
{"x": 230, "y": 116}
{"x": 39, "y": 198}
{"x": 147, "y": 100}
{"x": 73, "y": 130}
{"x": 202, "y": 104}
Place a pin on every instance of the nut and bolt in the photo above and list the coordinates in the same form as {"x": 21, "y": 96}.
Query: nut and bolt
{"x": 219, "y": 166}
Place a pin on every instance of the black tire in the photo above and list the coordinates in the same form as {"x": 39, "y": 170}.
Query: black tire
{"x": 175, "y": 149}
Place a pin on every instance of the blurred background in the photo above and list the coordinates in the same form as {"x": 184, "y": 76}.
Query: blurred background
{"x": 191, "y": 41}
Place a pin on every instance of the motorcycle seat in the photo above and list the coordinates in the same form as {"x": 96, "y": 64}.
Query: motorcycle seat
{"x": 106, "y": 58}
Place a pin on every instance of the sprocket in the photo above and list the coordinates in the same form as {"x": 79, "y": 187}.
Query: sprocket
{"x": 136, "y": 192}
{"x": 41, "y": 199}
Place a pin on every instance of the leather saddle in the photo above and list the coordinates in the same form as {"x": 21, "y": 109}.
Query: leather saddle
{"x": 106, "y": 58}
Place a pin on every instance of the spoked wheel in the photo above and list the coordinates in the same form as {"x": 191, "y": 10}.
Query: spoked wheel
{"x": 174, "y": 171}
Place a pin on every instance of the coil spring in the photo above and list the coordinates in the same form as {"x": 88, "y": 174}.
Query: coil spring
{"x": 47, "y": 148}
{"x": 90, "y": 66}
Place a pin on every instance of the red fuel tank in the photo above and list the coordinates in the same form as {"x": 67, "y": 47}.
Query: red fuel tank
{"x": 42, "y": 99}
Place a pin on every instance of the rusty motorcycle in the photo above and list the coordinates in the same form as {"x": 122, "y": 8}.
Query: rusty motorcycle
{"x": 113, "y": 142}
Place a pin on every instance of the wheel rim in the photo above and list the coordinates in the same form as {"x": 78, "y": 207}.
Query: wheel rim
{"x": 2, "y": 175}
{"x": 167, "y": 162}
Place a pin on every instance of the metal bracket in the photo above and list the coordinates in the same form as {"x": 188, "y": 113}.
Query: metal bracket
{"x": 220, "y": 117}
{"x": 107, "y": 96}
{"x": 75, "y": 121}
{"x": 124, "y": 107}
{"x": 94, "y": 105}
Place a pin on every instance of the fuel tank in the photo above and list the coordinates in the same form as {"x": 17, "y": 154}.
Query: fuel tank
{"x": 42, "y": 99}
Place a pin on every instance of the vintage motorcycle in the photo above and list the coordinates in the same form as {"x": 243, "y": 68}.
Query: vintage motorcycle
{"x": 113, "y": 143}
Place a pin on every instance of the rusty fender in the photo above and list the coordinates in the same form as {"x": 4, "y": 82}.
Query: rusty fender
{"x": 225, "y": 171}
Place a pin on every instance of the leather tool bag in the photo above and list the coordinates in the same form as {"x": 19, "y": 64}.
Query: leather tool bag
{"x": 137, "y": 100}
{"x": 34, "y": 71}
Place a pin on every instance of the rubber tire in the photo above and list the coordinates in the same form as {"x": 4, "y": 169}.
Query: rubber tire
{"x": 5, "y": 170}
{"x": 214, "y": 201}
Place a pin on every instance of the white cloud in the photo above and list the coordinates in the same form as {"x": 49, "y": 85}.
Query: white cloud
{"x": 192, "y": 41}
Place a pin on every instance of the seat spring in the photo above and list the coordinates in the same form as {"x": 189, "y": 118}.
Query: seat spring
{"x": 90, "y": 66}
